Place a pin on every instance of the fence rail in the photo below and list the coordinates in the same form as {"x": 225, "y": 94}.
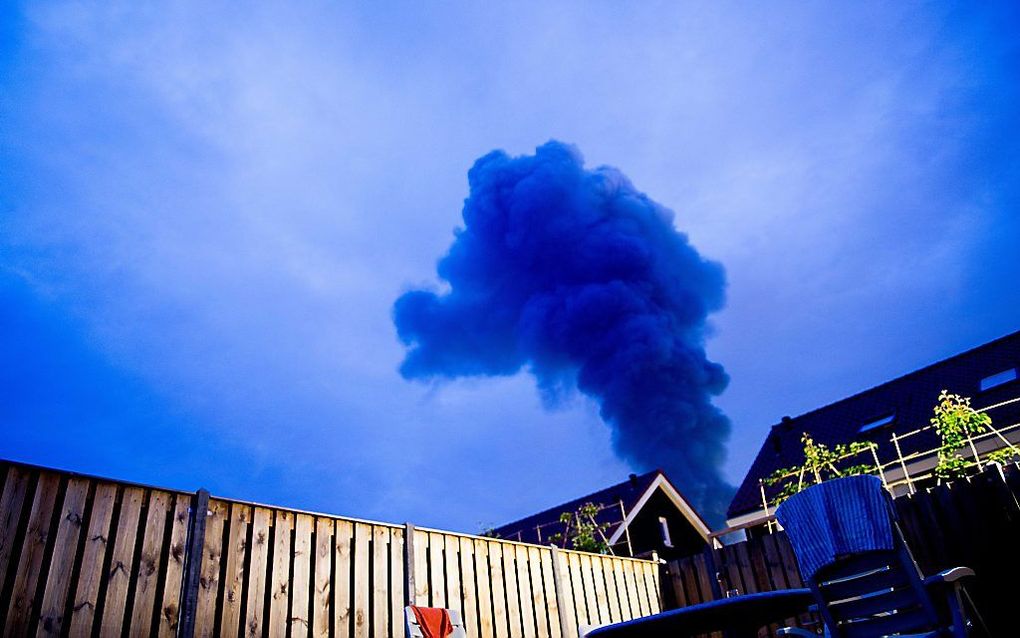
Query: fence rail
{"x": 973, "y": 522}
{"x": 84, "y": 556}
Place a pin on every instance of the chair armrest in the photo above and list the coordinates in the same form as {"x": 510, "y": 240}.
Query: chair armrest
{"x": 948, "y": 576}
{"x": 796, "y": 631}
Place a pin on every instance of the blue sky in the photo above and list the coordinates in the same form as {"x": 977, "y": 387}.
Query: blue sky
{"x": 206, "y": 214}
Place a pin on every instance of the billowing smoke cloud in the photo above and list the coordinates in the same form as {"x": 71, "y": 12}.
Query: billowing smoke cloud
{"x": 578, "y": 277}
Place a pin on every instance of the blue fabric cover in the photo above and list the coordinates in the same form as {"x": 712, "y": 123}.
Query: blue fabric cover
{"x": 842, "y": 516}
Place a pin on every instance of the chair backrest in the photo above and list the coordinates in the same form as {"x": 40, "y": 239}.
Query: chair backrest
{"x": 853, "y": 557}
{"x": 415, "y": 631}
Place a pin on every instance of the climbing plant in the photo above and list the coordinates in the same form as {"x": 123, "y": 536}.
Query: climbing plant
{"x": 582, "y": 531}
{"x": 955, "y": 421}
{"x": 820, "y": 464}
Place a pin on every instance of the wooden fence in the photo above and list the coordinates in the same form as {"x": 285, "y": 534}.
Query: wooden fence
{"x": 86, "y": 556}
{"x": 974, "y": 523}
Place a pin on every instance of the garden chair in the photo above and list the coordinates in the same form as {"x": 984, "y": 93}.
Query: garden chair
{"x": 853, "y": 558}
{"x": 433, "y": 622}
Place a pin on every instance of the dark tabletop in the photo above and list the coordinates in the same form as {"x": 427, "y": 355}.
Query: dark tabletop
{"x": 740, "y": 616}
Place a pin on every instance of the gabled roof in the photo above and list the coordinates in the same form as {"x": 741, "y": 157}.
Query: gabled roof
{"x": 632, "y": 493}
{"x": 909, "y": 399}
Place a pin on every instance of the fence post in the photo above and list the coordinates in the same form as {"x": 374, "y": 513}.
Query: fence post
{"x": 409, "y": 562}
{"x": 193, "y": 549}
{"x": 561, "y": 603}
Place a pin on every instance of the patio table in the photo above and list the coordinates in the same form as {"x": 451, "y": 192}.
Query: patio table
{"x": 739, "y": 617}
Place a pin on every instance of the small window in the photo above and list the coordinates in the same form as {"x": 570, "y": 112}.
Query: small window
{"x": 874, "y": 424}
{"x": 664, "y": 528}
{"x": 998, "y": 379}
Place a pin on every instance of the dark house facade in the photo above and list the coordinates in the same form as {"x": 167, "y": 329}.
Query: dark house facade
{"x": 644, "y": 514}
{"x": 988, "y": 374}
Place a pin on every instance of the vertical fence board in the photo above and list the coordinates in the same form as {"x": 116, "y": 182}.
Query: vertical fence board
{"x": 279, "y": 599}
{"x": 510, "y": 588}
{"x": 500, "y": 621}
{"x": 397, "y": 581}
{"x": 469, "y": 589}
{"x": 53, "y": 616}
{"x": 12, "y": 503}
{"x": 209, "y": 579}
{"x": 362, "y": 546}
{"x": 234, "y": 555}
{"x": 150, "y": 562}
{"x": 549, "y": 585}
{"x": 86, "y": 597}
{"x": 256, "y": 614}
{"x": 485, "y": 618}
{"x": 380, "y": 577}
{"x": 437, "y": 571}
{"x": 22, "y": 603}
{"x": 451, "y": 559}
{"x": 323, "y": 590}
{"x": 302, "y": 579}
{"x": 122, "y": 562}
{"x": 422, "y": 588}
{"x": 524, "y": 591}
{"x": 538, "y": 593}
{"x": 342, "y": 570}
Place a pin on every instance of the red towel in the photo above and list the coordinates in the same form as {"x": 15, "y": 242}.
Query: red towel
{"x": 434, "y": 621}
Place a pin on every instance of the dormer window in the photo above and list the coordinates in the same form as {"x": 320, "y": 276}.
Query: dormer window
{"x": 998, "y": 379}
{"x": 875, "y": 424}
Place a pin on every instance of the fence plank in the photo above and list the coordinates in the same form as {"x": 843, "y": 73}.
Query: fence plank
{"x": 550, "y": 582}
{"x": 65, "y": 548}
{"x": 86, "y": 597}
{"x": 500, "y": 622}
{"x": 235, "y": 574}
{"x": 422, "y": 588}
{"x": 468, "y": 587}
{"x": 279, "y": 598}
{"x": 362, "y": 542}
{"x": 538, "y": 593}
{"x": 380, "y": 577}
{"x": 397, "y": 582}
{"x": 342, "y": 570}
{"x": 150, "y": 562}
{"x": 577, "y": 587}
{"x": 437, "y": 573}
{"x": 256, "y": 613}
{"x": 524, "y": 590}
{"x": 485, "y": 615}
{"x": 122, "y": 562}
{"x": 12, "y": 503}
{"x": 22, "y": 603}
{"x": 451, "y": 557}
{"x": 323, "y": 589}
{"x": 510, "y": 587}
{"x": 299, "y": 619}
{"x": 209, "y": 581}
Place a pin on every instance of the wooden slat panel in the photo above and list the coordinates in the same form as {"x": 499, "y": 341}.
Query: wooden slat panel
{"x": 398, "y": 596}
{"x": 323, "y": 592}
{"x": 235, "y": 554}
{"x": 451, "y": 558}
{"x": 22, "y": 603}
{"x": 524, "y": 591}
{"x": 422, "y": 590}
{"x": 513, "y": 594}
{"x": 538, "y": 592}
{"x": 150, "y": 562}
{"x": 12, "y": 503}
{"x": 343, "y": 565}
{"x": 362, "y": 547}
{"x": 651, "y": 574}
{"x": 588, "y": 584}
{"x": 380, "y": 577}
{"x": 65, "y": 547}
{"x": 174, "y": 555}
{"x": 256, "y": 615}
{"x": 279, "y": 599}
{"x": 485, "y": 628}
{"x": 599, "y": 585}
{"x": 566, "y": 599}
{"x": 549, "y": 587}
{"x": 209, "y": 580}
{"x": 302, "y": 582}
{"x": 83, "y": 608}
{"x": 612, "y": 600}
{"x": 469, "y": 589}
{"x": 122, "y": 561}
{"x": 577, "y": 586}
{"x": 437, "y": 570}
{"x": 500, "y": 621}
{"x": 637, "y": 606}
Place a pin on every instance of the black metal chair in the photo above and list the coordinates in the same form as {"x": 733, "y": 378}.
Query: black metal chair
{"x": 865, "y": 583}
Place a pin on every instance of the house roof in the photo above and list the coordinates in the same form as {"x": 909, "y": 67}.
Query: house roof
{"x": 909, "y": 399}
{"x": 632, "y": 493}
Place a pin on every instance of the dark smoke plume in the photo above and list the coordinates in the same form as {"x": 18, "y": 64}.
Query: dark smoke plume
{"x": 583, "y": 280}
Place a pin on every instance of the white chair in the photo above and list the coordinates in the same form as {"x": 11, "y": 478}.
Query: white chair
{"x": 415, "y": 631}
